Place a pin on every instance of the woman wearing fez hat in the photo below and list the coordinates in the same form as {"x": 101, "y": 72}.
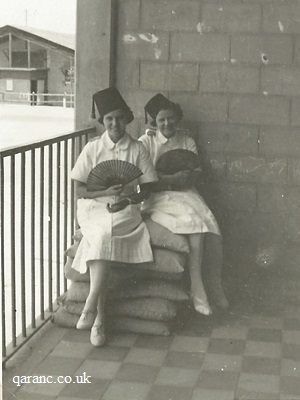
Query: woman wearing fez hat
{"x": 110, "y": 233}
{"x": 178, "y": 206}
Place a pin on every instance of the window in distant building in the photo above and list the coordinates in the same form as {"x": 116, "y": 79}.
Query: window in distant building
{"x": 9, "y": 85}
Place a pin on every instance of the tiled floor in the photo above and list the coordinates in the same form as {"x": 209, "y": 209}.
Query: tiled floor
{"x": 233, "y": 356}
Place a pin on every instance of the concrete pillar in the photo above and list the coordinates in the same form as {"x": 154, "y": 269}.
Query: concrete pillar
{"x": 94, "y": 64}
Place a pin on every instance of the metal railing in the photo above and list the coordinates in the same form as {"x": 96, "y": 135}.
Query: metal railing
{"x": 39, "y": 99}
{"x": 37, "y": 224}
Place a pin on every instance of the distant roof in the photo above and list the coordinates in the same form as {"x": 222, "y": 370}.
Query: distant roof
{"x": 65, "y": 41}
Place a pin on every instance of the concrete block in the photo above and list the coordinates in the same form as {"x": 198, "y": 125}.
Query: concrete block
{"x": 217, "y": 166}
{"x": 256, "y": 169}
{"x": 262, "y": 110}
{"x": 127, "y": 14}
{"x": 292, "y": 224}
{"x": 199, "y": 48}
{"x": 282, "y": 18}
{"x": 144, "y": 45}
{"x": 228, "y": 138}
{"x": 290, "y": 261}
{"x": 137, "y": 100}
{"x": 205, "y": 108}
{"x": 278, "y": 141}
{"x": 295, "y": 114}
{"x": 271, "y": 198}
{"x": 232, "y": 17}
{"x": 172, "y": 15}
{"x": 236, "y": 197}
{"x": 280, "y": 80}
{"x": 297, "y": 50}
{"x": 292, "y": 198}
{"x": 229, "y": 78}
{"x": 159, "y": 76}
{"x": 127, "y": 73}
{"x": 294, "y": 171}
{"x": 262, "y": 49}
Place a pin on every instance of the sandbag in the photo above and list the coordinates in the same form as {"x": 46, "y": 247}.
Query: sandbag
{"x": 78, "y": 291}
{"x": 163, "y": 238}
{"x": 156, "y": 309}
{"x": 133, "y": 325}
{"x": 73, "y": 275}
{"x": 145, "y": 308}
{"x": 166, "y": 261}
{"x": 122, "y": 324}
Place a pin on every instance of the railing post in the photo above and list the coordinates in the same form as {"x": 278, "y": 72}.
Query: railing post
{"x": 25, "y": 235}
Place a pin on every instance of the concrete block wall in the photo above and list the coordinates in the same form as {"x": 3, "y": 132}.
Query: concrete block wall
{"x": 233, "y": 66}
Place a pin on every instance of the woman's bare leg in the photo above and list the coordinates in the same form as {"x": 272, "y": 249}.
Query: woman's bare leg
{"x": 214, "y": 262}
{"x": 98, "y": 272}
{"x": 97, "y": 293}
{"x": 195, "y": 263}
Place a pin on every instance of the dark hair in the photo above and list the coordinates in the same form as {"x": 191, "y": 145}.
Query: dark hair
{"x": 128, "y": 113}
{"x": 172, "y": 107}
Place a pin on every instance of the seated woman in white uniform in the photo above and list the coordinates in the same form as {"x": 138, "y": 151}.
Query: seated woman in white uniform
{"x": 178, "y": 206}
{"x": 110, "y": 232}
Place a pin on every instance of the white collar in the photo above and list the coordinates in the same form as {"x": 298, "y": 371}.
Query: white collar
{"x": 123, "y": 143}
{"x": 162, "y": 139}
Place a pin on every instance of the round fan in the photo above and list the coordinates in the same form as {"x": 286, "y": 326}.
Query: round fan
{"x": 177, "y": 160}
{"x": 112, "y": 172}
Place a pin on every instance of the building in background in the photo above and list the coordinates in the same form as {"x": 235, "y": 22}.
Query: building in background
{"x": 35, "y": 65}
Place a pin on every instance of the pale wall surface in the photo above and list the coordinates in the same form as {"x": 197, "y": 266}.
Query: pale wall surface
{"x": 234, "y": 68}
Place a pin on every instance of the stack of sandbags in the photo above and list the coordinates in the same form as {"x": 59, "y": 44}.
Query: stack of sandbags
{"x": 142, "y": 298}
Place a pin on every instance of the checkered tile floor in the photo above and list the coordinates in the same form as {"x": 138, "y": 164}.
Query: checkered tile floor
{"x": 233, "y": 356}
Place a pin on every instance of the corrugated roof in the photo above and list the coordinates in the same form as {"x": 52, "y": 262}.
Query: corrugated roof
{"x": 62, "y": 39}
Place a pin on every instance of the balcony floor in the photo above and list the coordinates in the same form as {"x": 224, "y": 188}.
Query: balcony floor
{"x": 243, "y": 354}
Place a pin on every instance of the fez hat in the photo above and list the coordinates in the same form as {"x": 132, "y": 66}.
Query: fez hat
{"x": 156, "y": 104}
{"x": 109, "y": 100}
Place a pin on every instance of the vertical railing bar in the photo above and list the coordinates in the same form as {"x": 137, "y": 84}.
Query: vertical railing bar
{"x": 72, "y": 217}
{"x": 80, "y": 142}
{"x": 2, "y": 255}
{"x": 50, "y": 183}
{"x": 33, "y": 321}
{"x": 13, "y": 252}
{"x": 58, "y": 272}
{"x": 65, "y": 202}
{"x": 18, "y": 232}
{"x": 22, "y": 244}
{"x": 42, "y": 199}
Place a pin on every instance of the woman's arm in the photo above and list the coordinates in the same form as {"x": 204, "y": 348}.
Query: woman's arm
{"x": 83, "y": 193}
{"x": 134, "y": 198}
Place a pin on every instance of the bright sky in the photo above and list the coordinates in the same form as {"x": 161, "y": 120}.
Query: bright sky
{"x": 51, "y": 15}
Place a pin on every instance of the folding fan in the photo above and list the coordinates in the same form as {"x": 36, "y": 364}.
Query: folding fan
{"x": 112, "y": 172}
{"x": 177, "y": 160}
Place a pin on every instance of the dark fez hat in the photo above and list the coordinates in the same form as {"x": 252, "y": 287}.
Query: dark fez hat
{"x": 109, "y": 100}
{"x": 156, "y": 104}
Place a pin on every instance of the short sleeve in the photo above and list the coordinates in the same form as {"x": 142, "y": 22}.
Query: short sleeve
{"x": 146, "y": 166}
{"x": 83, "y": 165}
{"x": 145, "y": 140}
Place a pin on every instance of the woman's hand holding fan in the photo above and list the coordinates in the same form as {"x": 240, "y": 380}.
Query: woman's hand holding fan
{"x": 181, "y": 168}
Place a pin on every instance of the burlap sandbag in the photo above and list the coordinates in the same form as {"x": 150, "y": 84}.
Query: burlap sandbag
{"x": 78, "y": 291}
{"x": 156, "y": 309}
{"x": 163, "y": 238}
{"x": 120, "y": 324}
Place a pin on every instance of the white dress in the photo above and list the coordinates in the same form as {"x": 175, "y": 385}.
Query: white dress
{"x": 120, "y": 236}
{"x": 185, "y": 211}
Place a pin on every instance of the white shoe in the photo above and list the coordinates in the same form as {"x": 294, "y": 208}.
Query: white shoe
{"x": 201, "y": 306}
{"x": 86, "y": 319}
{"x": 97, "y": 335}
